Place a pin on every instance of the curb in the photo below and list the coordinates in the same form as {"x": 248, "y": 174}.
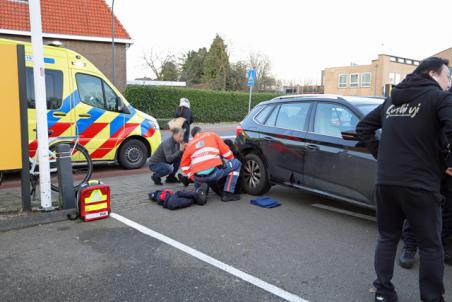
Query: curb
{"x": 33, "y": 219}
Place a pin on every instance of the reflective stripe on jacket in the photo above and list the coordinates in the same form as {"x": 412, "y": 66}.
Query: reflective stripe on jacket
{"x": 204, "y": 152}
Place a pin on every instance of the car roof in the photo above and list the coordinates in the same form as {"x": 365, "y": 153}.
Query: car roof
{"x": 354, "y": 100}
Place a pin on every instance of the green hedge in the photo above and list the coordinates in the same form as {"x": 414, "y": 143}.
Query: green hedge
{"x": 208, "y": 106}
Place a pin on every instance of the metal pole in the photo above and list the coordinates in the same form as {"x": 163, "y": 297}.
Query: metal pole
{"x": 41, "y": 103}
{"x": 113, "y": 50}
{"x": 249, "y": 102}
{"x": 25, "y": 173}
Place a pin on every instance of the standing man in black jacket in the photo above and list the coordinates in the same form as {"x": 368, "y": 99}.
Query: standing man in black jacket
{"x": 410, "y": 167}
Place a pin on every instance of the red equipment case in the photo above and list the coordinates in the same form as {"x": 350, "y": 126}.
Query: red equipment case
{"x": 94, "y": 201}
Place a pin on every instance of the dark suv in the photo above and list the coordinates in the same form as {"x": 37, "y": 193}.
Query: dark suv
{"x": 308, "y": 142}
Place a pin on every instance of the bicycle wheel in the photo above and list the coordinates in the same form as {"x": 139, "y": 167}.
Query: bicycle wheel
{"x": 82, "y": 165}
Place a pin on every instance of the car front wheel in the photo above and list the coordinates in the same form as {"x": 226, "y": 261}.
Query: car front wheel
{"x": 255, "y": 175}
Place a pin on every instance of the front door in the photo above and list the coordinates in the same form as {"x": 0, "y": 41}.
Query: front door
{"x": 334, "y": 165}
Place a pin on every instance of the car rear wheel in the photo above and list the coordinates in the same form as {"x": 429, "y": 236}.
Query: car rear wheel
{"x": 132, "y": 154}
{"x": 255, "y": 175}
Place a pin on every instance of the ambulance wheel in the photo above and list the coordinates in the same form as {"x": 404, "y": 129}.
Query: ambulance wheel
{"x": 132, "y": 154}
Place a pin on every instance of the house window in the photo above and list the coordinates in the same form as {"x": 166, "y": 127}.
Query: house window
{"x": 400, "y": 60}
{"x": 408, "y": 61}
{"x": 392, "y": 59}
{"x": 394, "y": 78}
{"x": 354, "y": 80}
{"x": 343, "y": 81}
{"x": 365, "y": 79}
{"x": 416, "y": 63}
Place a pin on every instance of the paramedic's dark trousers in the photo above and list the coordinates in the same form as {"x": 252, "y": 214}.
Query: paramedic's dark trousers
{"x": 422, "y": 209}
{"x": 231, "y": 171}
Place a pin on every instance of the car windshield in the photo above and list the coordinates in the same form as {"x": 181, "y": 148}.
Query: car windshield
{"x": 366, "y": 108}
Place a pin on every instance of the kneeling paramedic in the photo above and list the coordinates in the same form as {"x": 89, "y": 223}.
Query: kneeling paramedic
{"x": 166, "y": 159}
{"x": 207, "y": 159}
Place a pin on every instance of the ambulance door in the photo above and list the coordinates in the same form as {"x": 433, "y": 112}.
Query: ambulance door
{"x": 60, "y": 117}
{"x": 97, "y": 115}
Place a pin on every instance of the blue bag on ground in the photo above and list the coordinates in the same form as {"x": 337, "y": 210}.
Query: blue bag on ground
{"x": 265, "y": 202}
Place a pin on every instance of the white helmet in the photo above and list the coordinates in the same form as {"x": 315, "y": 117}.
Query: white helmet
{"x": 184, "y": 102}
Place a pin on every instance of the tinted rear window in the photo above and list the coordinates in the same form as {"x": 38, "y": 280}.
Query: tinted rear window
{"x": 293, "y": 116}
{"x": 54, "y": 88}
{"x": 262, "y": 115}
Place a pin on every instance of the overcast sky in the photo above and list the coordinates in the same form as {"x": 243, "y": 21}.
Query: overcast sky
{"x": 300, "y": 37}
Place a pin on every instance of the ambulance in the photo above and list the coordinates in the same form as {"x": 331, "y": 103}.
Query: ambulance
{"x": 82, "y": 102}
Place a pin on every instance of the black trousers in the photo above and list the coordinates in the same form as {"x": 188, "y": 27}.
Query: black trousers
{"x": 422, "y": 209}
{"x": 408, "y": 237}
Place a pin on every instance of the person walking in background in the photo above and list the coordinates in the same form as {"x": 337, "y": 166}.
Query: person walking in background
{"x": 166, "y": 159}
{"x": 410, "y": 167}
{"x": 185, "y": 112}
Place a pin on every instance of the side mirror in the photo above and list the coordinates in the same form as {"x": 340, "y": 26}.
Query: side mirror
{"x": 349, "y": 135}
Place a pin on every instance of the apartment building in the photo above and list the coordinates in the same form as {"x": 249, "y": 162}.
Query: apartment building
{"x": 367, "y": 80}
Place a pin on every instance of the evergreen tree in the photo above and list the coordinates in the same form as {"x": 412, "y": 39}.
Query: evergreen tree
{"x": 216, "y": 65}
{"x": 192, "y": 66}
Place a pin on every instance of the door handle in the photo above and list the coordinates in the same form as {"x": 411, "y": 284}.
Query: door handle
{"x": 84, "y": 115}
{"x": 58, "y": 114}
{"x": 269, "y": 139}
{"x": 312, "y": 147}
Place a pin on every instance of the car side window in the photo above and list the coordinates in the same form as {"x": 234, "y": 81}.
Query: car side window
{"x": 54, "y": 88}
{"x": 262, "y": 115}
{"x": 332, "y": 119}
{"x": 272, "y": 118}
{"x": 95, "y": 92}
{"x": 293, "y": 116}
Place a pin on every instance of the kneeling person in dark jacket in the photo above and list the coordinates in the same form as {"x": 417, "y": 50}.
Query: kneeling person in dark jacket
{"x": 166, "y": 159}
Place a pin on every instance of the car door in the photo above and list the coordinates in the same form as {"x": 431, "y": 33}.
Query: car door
{"x": 99, "y": 120}
{"x": 333, "y": 165}
{"x": 283, "y": 142}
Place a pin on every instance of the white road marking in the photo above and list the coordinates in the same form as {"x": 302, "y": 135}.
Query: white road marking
{"x": 341, "y": 211}
{"x": 212, "y": 261}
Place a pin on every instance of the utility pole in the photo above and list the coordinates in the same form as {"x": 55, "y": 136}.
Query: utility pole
{"x": 41, "y": 104}
{"x": 113, "y": 50}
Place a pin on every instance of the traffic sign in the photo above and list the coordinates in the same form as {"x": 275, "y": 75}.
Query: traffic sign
{"x": 251, "y": 77}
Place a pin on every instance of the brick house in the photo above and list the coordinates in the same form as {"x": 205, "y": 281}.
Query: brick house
{"x": 81, "y": 25}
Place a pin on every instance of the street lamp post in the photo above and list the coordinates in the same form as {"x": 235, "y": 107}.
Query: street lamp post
{"x": 113, "y": 50}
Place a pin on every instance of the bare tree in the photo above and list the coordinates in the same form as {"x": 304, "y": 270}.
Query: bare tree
{"x": 158, "y": 63}
{"x": 261, "y": 63}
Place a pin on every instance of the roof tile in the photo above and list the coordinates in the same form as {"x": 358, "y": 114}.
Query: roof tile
{"x": 75, "y": 17}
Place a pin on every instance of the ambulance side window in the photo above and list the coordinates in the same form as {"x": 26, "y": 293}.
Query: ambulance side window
{"x": 54, "y": 88}
{"x": 95, "y": 92}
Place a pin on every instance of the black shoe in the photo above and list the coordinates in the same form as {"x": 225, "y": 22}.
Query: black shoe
{"x": 157, "y": 180}
{"x": 407, "y": 258}
{"x": 382, "y": 298}
{"x": 172, "y": 179}
{"x": 201, "y": 196}
{"x": 184, "y": 179}
{"x": 228, "y": 196}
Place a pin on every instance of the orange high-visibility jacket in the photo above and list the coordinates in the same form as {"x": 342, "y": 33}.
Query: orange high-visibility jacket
{"x": 204, "y": 152}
